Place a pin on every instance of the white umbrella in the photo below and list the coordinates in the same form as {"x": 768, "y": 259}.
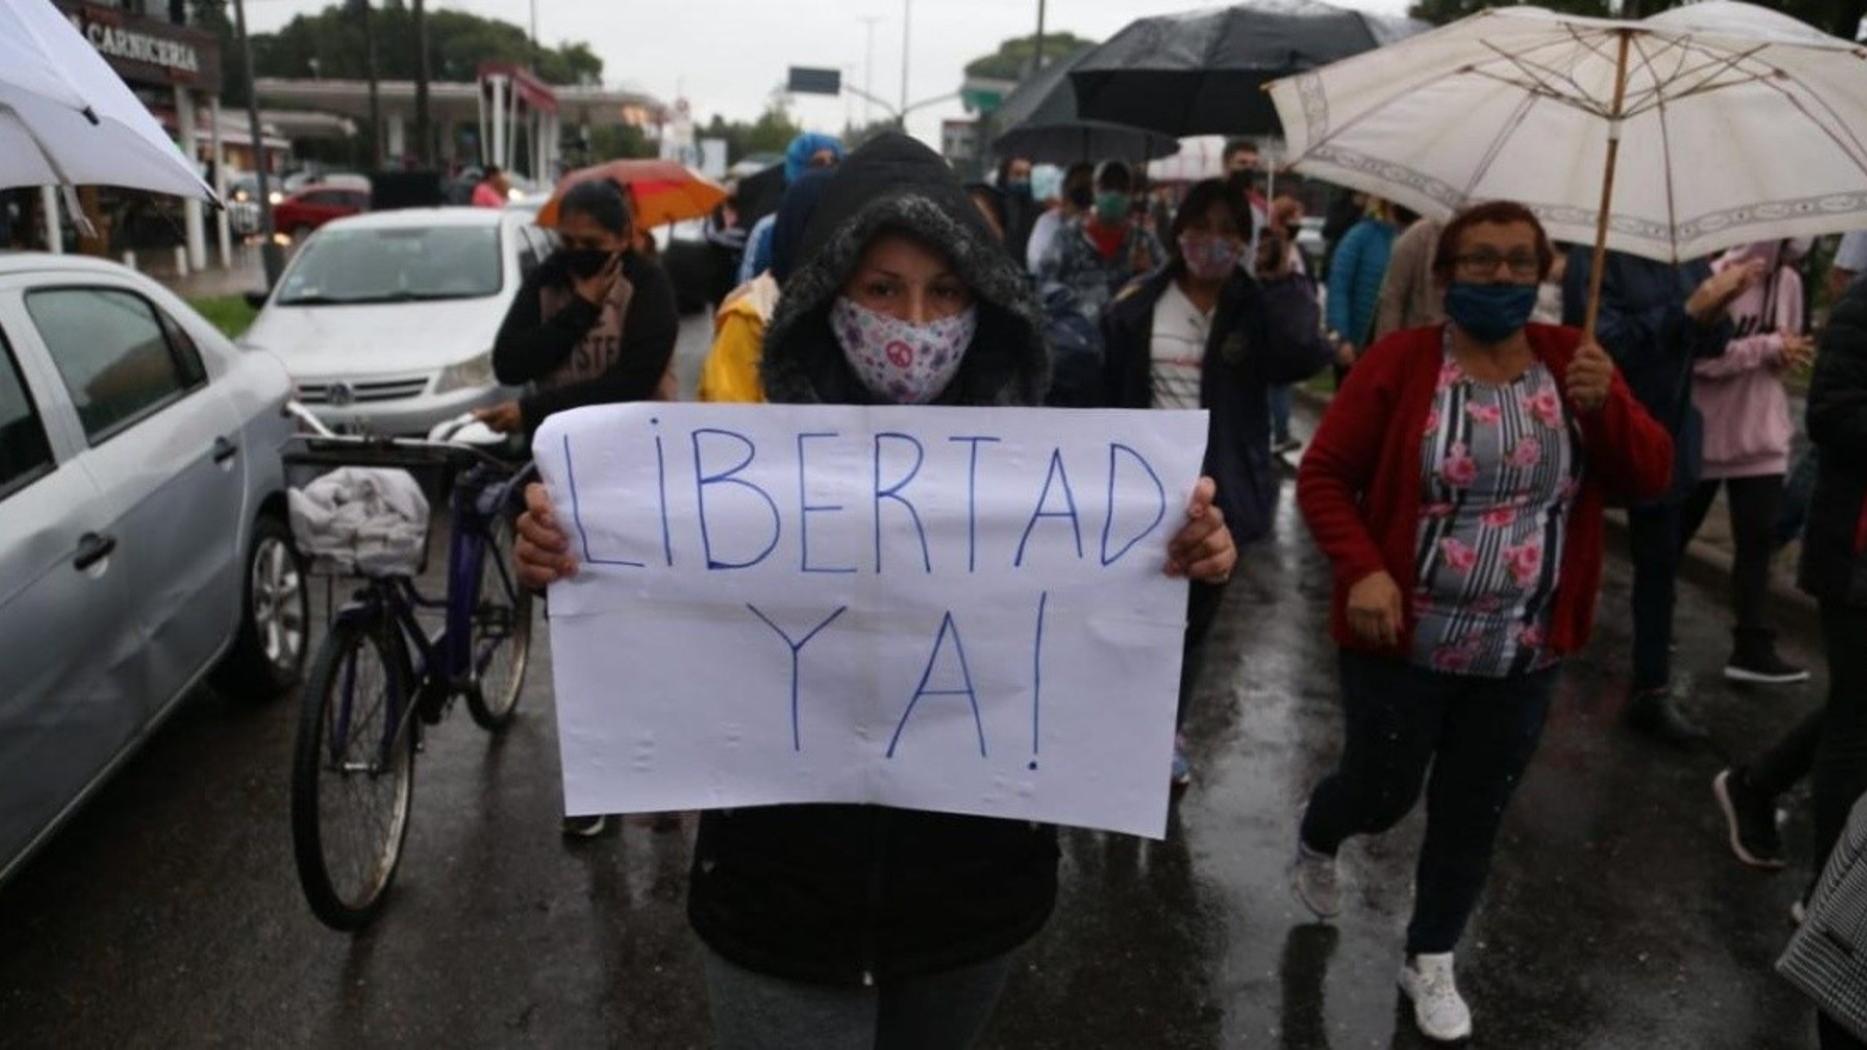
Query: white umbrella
{"x": 1672, "y": 137}
{"x": 67, "y": 119}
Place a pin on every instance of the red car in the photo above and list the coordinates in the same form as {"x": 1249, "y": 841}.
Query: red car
{"x": 309, "y": 209}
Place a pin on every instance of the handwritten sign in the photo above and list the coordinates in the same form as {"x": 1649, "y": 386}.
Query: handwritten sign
{"x": 955, "y": 609}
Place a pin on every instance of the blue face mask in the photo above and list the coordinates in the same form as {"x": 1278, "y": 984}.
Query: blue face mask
{"x": 1490, "y": 313}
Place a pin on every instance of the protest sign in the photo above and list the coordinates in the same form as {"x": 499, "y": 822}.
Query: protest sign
{"x": 957, "y": 609}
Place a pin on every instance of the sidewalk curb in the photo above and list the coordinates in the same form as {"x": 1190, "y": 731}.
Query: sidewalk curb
{"x": 1703, "y": 564}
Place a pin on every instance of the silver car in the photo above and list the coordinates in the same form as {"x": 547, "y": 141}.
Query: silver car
{"x": 386, "y": 320}
{"x": 143, "y": 538}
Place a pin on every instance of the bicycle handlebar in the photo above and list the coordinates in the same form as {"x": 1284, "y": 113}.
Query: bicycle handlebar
{"x": 381, "y": 450}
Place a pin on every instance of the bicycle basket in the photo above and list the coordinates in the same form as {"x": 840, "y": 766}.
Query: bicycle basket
{"x": 359, "y": 510}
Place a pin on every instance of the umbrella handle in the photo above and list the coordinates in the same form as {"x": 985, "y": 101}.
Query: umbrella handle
{"x": 1607, "y": 191}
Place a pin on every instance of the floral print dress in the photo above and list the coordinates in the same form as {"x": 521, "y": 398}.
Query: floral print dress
{"x": 1500, "y": 469}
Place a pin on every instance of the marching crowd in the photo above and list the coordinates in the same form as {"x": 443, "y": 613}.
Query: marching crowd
{"x": 1457, "y": 483}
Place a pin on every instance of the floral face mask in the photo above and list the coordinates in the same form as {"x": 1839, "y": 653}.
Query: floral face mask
{"x": 1209, "y": 257}
{"x": 901, "y": 361}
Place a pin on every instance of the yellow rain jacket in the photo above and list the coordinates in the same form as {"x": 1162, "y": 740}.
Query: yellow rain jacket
{"x": 730, "y": 373}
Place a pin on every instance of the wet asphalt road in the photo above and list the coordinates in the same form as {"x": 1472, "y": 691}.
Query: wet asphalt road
{"x": 168, "y": 913}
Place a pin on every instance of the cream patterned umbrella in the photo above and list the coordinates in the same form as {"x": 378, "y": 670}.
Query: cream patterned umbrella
{"x": 1672, "y": 137}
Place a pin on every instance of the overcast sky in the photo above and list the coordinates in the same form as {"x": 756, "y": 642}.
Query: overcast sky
{"x": 726, "y": 56}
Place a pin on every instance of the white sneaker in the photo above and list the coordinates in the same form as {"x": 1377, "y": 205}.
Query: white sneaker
{"x": 1437, "y": 1007}
{"x": 1317, "y": 882}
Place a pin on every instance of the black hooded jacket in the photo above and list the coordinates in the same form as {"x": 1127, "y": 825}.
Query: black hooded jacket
{"x": 1834, "y": 564}
{"x": 840, "y": 894}
{"x": 1263, "y": 334}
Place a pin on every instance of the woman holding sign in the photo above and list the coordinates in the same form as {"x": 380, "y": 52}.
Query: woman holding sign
{"x": 1201, "y": 333}
{"x": 1457, "y": 484}
{"x": 868, "y": 926}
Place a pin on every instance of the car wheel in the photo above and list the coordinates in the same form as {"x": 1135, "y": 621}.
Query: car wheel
{"x": 268, "y": 654}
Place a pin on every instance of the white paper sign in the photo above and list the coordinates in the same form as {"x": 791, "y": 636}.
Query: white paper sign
{"x": 957, "y": 609}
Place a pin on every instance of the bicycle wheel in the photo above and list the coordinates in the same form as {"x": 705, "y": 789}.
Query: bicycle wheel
{"x": 353, "y": 773}
{"x": 501, "y": 639}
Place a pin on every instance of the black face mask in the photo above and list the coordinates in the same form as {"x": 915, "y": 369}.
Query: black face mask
{"x": 1241, "y": 182}
{"x": 584, "y": 262}
{"x": 1083, "y": 197}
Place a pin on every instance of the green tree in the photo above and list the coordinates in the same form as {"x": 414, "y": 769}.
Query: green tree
{"x": 458, "y": 42}
{"x": 618, "y": 142}
{"x": 1013, "y": 58}
{"x": 772, "y": 131}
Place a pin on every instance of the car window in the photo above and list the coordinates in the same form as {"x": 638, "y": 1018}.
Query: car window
{"x": 394, "y": 264}
{"x": 113, "y": 354}
{"x": 187, "y": 354}
{"x": 323, "y": 198}
{"x": 25, "y": 453}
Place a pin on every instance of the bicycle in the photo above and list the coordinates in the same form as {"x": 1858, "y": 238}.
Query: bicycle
{"x": 379, "y": 677}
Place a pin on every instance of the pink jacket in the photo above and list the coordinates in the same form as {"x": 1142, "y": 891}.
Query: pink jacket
{"x": 1740, "y": 393}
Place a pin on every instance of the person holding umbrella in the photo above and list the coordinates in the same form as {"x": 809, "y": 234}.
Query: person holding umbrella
{"x": 1457, "y": 484}
{"x": 593, "y": 324}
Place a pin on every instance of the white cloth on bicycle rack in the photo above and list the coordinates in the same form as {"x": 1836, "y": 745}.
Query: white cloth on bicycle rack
{"x": 372, "y": 520}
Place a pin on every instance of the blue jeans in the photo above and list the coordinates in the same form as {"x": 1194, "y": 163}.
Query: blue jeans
{"x": 1278, "y": 398}
{"x": 1653, "y": 542}
{"x": 1475, "y": 734}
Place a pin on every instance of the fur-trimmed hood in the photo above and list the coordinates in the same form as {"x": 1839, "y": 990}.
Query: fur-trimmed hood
{"x": 895, "y": 183}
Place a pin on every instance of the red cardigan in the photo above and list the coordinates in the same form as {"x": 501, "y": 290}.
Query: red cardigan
{"x": 1359, "y": 485}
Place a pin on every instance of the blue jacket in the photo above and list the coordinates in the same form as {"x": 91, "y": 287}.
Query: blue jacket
{"x": 1355, "y": 274}
{"x": 1263, "y": 335}
{"x": 1654, "y": 342}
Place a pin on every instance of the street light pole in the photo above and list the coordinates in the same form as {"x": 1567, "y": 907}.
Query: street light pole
{"x": 907, "y": 35}
{"x": 868, "y": 69}
{"x": 1037, "y": 59}
{"x": 424, "y": 146}
{"x": 268, "y": 249}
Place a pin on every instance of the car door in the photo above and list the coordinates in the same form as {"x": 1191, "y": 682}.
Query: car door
{"x": 164, "y": 449}
{"x": 65, "y": 629}
{"x": 327, "y": 205}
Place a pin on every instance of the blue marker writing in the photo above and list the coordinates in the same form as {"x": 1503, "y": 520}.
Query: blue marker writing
{"x": 946, "y": 625}
{"x": 893, "y": 492}
{"x": 1055, "y": 473}
{"x": 729, "y": 476}
{"x": 1160, "y": 510}
{"x": 797, "y": 743}
{"x": 972, "y": 494}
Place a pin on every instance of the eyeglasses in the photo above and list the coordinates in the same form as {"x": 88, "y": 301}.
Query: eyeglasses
{"x": 1482, "y": 264}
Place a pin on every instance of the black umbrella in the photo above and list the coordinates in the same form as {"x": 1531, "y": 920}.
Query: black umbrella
{"x": 1091, "y": 140}
{"x": 759, "y": 193}
{"x": 1043, "y": 98}
{"x": 1200, "y": 73}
